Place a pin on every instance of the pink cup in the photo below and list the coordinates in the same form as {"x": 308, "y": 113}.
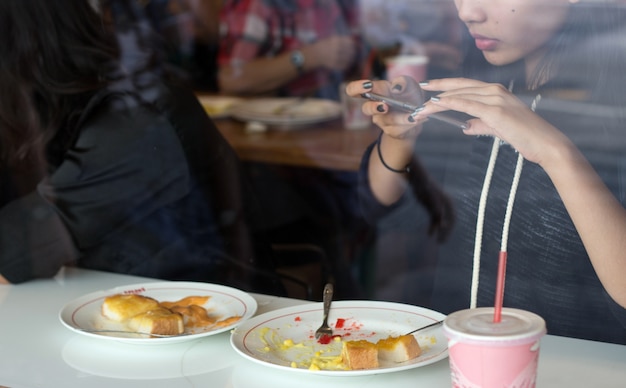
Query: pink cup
{"x": 414, "y": 66}
{"x": 487, "y": 354}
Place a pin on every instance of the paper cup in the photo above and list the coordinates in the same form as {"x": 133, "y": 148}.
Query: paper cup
{"x": 487, "y": 354}
{"x": 414, "y": 66}
{"x": 352, "y": 114}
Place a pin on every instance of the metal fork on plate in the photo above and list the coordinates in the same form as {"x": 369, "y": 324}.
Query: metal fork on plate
{"x": 326, "y": 330}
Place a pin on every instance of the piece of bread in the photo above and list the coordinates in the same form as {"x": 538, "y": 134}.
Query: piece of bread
{"x": 122, "y": 307}
{"x": 360, "y": 354}
{"x": 194, "y": 315}
{"x": 187, "y": 301}
{"x": 398, "y": 349}
{"x": 157, "y": 321}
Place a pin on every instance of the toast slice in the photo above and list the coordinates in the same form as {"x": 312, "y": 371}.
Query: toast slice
{"x": 360, "y": 354}
{"x": 122, "y": 307}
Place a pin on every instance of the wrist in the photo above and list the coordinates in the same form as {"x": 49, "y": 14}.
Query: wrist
{"x": 398, "y": 162}
{"x": 297, "y": 60}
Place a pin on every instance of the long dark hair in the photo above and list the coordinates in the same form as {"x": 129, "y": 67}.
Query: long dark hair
{"x": 584, "y": 54}
{"x": 54, "y": 55}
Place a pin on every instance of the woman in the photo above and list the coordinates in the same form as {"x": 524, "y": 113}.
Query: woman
{"x": 545, "y": 186}
{"x": 106, "y": 163}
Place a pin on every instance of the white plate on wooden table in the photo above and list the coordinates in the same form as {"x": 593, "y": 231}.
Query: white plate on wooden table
{"x": 262, "y": 338}
{"x": 218, "y": 106}
{"x": 289, "y": 111}
{"x": 84, "y": 313}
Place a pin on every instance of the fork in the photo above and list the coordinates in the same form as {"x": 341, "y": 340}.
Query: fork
{"x": 426, "y": 327}
{"x": 326, "y": 330}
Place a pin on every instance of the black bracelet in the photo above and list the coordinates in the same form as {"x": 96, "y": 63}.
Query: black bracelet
{"x": 406, "y": 169}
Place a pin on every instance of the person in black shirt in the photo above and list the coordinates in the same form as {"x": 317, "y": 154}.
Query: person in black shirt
{"x": 106, "y": 162}
{"x": 540, "y": 178}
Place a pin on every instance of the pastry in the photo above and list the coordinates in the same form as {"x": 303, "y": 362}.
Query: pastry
{"x": 122, "y": 307}
{"x": 360, "y": 354}
{"x": 157, "y": 321}
{"x": 398, "y": 349}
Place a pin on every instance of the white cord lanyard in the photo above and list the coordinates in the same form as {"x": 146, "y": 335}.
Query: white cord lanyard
{"x": 507, "y": 217}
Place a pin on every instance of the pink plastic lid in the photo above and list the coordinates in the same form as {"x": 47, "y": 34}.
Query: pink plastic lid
{"x": 477, "y": 326}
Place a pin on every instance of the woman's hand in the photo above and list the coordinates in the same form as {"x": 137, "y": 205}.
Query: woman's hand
{"x": 497, "y": 112}
{"x": 400, "y": 130}
{"x": 396, "y": 124}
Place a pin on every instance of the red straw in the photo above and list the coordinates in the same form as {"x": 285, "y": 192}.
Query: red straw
{"x": 497, "y": 312}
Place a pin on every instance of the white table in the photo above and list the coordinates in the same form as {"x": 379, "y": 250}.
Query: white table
{"x": 36, "y": 350}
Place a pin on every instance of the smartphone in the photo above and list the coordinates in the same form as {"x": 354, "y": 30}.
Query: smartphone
{"x": 410, "y": 108}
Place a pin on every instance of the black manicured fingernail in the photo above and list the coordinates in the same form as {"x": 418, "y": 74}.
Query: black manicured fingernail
{"x": 411, "y": 119}
{"x": 397, "y": 87}
{"x": 380, "y": 108}
{"x": 367, "y": 85}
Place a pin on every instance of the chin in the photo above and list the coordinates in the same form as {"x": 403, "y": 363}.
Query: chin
{"x": 498, "y": 59}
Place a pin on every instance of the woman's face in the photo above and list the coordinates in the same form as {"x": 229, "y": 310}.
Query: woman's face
{"x": 510, "y": 30}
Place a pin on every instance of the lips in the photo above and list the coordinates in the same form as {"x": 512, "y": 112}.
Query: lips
{"x": 485, "y": 44}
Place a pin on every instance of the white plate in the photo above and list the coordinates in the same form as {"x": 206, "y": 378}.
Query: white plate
{"x": 84, "y": 313}
{"x": 260, "y": 339}
{"x": 219, "y": 106}
{"x": 287, "y": 111}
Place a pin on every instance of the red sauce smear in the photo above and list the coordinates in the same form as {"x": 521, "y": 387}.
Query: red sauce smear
{"x": 297, "y": 319}
{"x": 325, "y": 339}
{"x": 339, "y": 323}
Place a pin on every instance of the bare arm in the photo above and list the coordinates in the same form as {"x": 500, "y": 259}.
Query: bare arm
{"x": 3, "y": 280}
{"x": 262, "y": 75}
{"x": 258, "y": 76}
{"x": 599, "y": 217}
{"x": 397, "y": 142}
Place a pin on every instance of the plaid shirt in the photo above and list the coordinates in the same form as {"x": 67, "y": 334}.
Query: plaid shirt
{"x": 252, "y": 29}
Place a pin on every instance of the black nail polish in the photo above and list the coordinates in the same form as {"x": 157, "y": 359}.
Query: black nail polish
{"x": 367, "y": 85}
{"x": 380, "y": 108}
{"x": 411, "y": 119}
{"x": 397, "y": 87}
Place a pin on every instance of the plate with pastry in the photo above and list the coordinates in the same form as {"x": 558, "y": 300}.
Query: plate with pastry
{"x": 159, "y": 312}
{"x": 217, "y": 106}
{"x": 287, "y": 112}
{"x": 369, "y": 337}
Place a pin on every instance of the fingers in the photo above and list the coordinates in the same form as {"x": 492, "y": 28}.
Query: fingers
{"x": 448, "y": 84}
{"x": 471, "y": 104}
{"x": 356, "y": 88}
{"x": 394, "y": 123}
{"x": 370, "y": 108}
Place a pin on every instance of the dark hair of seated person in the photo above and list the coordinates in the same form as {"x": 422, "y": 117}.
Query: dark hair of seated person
{"x": 108, "y": 164}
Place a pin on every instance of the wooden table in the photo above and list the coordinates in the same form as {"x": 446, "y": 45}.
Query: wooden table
{"x": 325, "y": 145}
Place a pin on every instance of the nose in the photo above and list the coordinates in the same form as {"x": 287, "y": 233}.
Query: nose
{"x": 471, "y": 11}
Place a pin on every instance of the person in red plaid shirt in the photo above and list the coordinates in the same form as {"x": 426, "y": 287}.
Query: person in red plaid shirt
{"x": 288, "y": 47}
